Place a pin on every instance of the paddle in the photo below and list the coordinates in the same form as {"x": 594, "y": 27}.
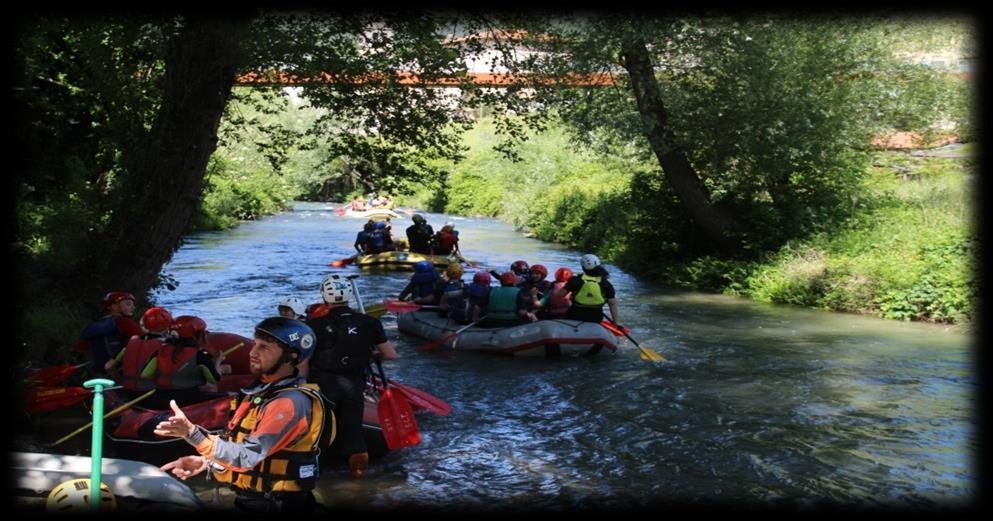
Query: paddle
{"x": 375, "y": 310}
{"x": 47, "y": 399}
{"x": 115, "y": 412}
{"x": 422, "y": 399}
{"x": 430, "y": 346}
{"x": 50, "y": 376}
{"x": 610, "y": 327}
{"x": 400, "y": 306}
{"x": 396, "y": 418}
{"x": 467, "y": 261}
{"x": 646, "y": 353}
{"x": 344, "y": 262}
{"x": 96, "y": 444}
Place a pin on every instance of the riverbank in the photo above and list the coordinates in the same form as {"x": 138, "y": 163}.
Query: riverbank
{"x": 906, "y": 251}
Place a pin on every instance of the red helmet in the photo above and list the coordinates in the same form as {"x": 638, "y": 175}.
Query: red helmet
{"x": 482, "y": 277}
{"x": 563, "y": 274}
{"x": 156, "y": 319}
{"x": 508, "y": 278}
{"x": 317, "y": 310}
{"x": 519, "y": 267}
{"x": 188, "y": 326}
{"x": 540, "y": 269}
{"x": 116, "y": 296}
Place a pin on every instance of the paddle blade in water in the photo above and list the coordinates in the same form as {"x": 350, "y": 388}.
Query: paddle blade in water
{"x": 650, "y": 355}
{"x": 396, "y": 418}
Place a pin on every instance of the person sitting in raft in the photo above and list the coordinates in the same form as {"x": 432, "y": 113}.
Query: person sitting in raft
{"x": 379, "y": 239}
{"x": 421, "y": 285}
{"x": 358, "y": 204}
{"x": 557, "y": 301}
{"x": 292, "y": 307}
{"x": 105, "y": 337}
{"x": 590, "y": 291}
{"x": 532, "y": 289}
{"x": 184, "y": 365}
{"x": 363, "y": 237}
{"x": 136, "y": 357}
{"x": 419, "y": 235}
{"x": 519, "y": 267}
{"x": 446, "y": 241}
{"x": 502, "y": 307}
{"x": 450, "y": 282}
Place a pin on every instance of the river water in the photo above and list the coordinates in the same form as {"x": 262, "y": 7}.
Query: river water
{"x": 756, "y": 406}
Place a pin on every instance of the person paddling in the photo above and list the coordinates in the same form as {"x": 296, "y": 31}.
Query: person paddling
{"x": 590, "y": 290}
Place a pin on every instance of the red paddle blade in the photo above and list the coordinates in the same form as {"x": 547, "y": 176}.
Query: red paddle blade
{"x": 423, "y": 400}
{"x": 44, "y": 400}
{"x": 343, "y": 262}
{"x": 396, "y": 418}
{"x": 399, "y": 306}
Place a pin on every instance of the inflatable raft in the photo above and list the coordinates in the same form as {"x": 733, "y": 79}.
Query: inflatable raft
{"x": 401, "y": 260}
{"x": 376, "y": 214}
{"x": 541, "y": 338}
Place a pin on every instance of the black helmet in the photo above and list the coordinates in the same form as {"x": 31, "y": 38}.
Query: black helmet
{"x": 418, "y": 218}
{"x": 291, "y": 333}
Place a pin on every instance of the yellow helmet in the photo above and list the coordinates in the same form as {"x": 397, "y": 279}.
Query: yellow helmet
{"x": 74, "y": 496}
{"x": 454, "y": 271}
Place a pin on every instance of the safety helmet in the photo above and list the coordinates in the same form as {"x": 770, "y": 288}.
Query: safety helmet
{"x": 423, "y": 266}
{"x": 540, "y": 269}
{"x": 482, "y": 277}
{"x": 454, "y": 271}
{"x": 589, "y": 261}
{"x": 380, "y": 225}
{"x": 116, "y": 296}
{"x": 291, "y": 333}
{"x": 335, "y": 289}
{"x": 450, "y": 225}
{"x": 156, "y": 319}
{"x": 519, "y": 267}
{"x": 508, "y": 278}
{"x": 297, "y": 305}
{"x": 563, "y": 274}
{"x": 418, "y": 218}
{"x": 74, "y": 496}
{"x": 188, "y": 326}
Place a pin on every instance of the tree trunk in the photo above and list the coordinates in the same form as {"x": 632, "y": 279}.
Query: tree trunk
{"x": 689, "y": 188}
{"x": 165, "y": 173}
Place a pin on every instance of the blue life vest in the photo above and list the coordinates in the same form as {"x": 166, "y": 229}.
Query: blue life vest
{"x": 424, "y": 283}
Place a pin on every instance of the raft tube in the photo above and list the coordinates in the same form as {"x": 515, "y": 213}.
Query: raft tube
{"x": 376, "y": 214}
{"x": 402, "y": 260}
{"x": 572, "y": 338}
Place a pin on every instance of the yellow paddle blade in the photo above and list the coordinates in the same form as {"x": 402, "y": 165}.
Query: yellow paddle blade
{"x": 650, "y": 355}
{"x": 376, "y": 310}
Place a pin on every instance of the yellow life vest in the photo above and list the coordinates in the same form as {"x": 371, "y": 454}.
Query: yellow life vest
{"x": 291, "y": 469}
{"x": 589, "y": 294}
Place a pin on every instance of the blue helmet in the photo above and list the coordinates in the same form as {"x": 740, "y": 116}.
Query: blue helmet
{"x": 423, "y": 266}
{"x": 291, "y": 333}
{"x": 380, "y": 225}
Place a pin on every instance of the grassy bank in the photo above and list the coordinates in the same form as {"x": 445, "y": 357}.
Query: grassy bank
{"x": 906, "y": 251}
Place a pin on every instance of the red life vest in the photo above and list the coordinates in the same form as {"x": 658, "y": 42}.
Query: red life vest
{"x": 137, "y": 354}
{"x": 559, "y": 300}
{"x": 177, "y": 367}
{"x": 447, "y": 240}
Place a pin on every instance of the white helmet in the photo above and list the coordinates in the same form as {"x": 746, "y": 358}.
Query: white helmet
{"x": 335, "y": 289}
{"x": 295, "y": 304}
{"x": 589, "y": 261}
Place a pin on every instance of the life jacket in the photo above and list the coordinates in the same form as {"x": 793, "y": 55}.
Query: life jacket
{"x": 317, "y": 310}
{"x": 104, "y": 339}
{"x": 177, "y": 367}
{"x": 447, "y": 240}
{"x": 291, "y": 469}
{"x": 419, "y": 237}
{"x": 423, "y": 283}
{"x": 377, "y": 241}
{"x": 458, "y": 304}
{"x": 589, "y": 294}
{"x": 349, "y": 352}
{"x": 137, "y": 354}
{"x": 503, "y": 303}
{"x": 559, "y": 300}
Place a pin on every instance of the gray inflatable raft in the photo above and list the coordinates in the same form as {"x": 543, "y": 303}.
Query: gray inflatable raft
{"x": 541, "y": 338}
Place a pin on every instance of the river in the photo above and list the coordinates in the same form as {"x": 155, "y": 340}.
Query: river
{"x": 756, "y": 405}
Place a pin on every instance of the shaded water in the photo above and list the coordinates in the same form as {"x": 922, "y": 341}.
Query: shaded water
{"x": 757, "y": 404}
